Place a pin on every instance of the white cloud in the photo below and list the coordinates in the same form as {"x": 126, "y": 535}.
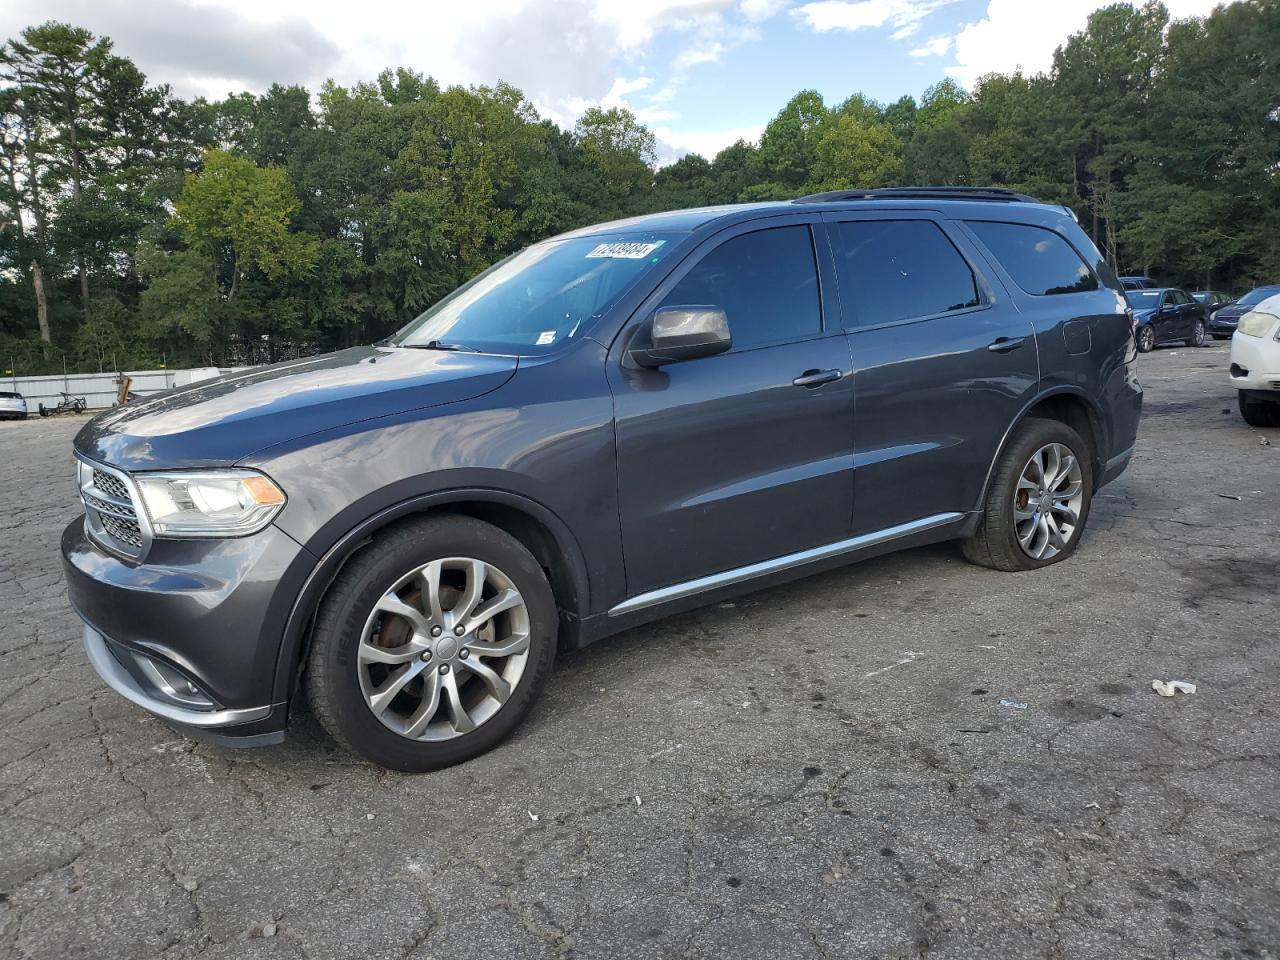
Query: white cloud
{"x": 564, "y": 55}
{"x": 673, "y": 144}
{"x": 1022, "y": 34}
{"x": 758, "y": 11}
{"x": 905, "y": 16}
{"x": 933, "y": 47}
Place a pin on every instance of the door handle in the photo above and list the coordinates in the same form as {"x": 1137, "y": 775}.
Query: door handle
{"x": 1005, "y": 344}
{"x": 816, "y": 378}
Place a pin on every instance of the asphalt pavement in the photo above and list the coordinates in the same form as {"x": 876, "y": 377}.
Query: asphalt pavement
{"x": 909, "y": 757}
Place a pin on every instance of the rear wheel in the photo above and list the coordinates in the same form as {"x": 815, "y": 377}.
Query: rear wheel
{"x": 432, "y": 645}
{"x": 1146, "y": 339}
{"x": 1038, "y": 501}
{"x": 1197, "y": 335}
{"x": 1258, "y": 413}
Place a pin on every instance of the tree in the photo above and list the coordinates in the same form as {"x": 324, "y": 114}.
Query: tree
{"x": 789, "y": 148}
{"x": 238, "y": 214}
{"x": 854, "y": 153}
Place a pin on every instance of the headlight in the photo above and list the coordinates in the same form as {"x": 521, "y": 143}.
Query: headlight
{"x": 208, "y": 503}
{"x": 1255, "y": 324}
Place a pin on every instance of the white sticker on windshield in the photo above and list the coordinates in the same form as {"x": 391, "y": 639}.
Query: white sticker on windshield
{"x": 622, "y": 250}
{"x": 545, "y": 337}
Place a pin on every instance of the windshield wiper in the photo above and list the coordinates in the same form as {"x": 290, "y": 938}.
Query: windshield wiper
{"x": 439, "y": 345}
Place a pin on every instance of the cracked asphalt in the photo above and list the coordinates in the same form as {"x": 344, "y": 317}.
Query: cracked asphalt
{"x": 821, "y": 770}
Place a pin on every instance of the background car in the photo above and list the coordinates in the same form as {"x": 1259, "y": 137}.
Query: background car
{"x": 1212, "y": 300}
{"x": 1223, "y": 323}
{"x": 1138, "y": 283}
{"x": 1255, "y": 364}
{"x": 1165, "y": 314}
{"x": 13, "y": 406}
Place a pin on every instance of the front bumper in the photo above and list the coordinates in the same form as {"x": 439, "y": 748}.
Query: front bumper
{"x": 1255, "y": 363}
{"x": 194, "y": 634}
{"x": 1222, "y": 325}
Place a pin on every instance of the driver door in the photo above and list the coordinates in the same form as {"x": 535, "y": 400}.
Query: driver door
{"x": 733, "y": 459}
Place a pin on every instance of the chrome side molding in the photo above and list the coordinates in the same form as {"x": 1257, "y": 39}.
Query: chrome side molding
{"x": 786, "y": 562}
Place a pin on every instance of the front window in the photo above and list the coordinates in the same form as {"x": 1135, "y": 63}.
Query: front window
{"x": 1257, "y": 296}
{"x": 536, "y": 299}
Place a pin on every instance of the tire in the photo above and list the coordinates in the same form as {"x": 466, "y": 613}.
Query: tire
{"x": 1258, "y": 413}
{"x": 1197, "y": 335}
{"x": 342, "y": 683}
{"x": 1146, "y": 339}
{"x": 995, "y": 543}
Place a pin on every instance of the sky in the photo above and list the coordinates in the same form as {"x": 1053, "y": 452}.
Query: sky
{"x": 700, "y": 73}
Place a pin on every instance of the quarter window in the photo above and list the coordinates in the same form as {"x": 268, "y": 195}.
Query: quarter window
{"x": 766, "y": 282}
{"x": 901, "y": 269}
{"x": 1038, "y": 260}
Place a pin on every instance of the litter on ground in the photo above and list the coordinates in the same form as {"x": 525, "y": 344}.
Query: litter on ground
{"x": 1167, "y": 688}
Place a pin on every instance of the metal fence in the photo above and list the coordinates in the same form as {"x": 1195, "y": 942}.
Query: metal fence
{"x": 100, "y": 389}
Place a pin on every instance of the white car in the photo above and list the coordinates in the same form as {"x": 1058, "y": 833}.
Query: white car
{"x": 12, "y": 406}
{"x": 1255, "y": 363}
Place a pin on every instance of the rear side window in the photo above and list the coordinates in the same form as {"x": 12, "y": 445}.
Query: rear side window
{"x": 1040, "y": 261}
{"x": 766, "y": 282}
{"x": 901, "y": 269}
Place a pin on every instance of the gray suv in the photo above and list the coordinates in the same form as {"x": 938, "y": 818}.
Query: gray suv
{"x": 610, "y": 426}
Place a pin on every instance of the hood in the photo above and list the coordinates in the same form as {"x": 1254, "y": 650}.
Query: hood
{"x": 1231, "y": 311}
{"x": 1142, "y": 316}
{"x": 217, "y": 422}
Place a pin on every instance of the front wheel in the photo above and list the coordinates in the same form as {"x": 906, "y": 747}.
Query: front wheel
{"x": 432, "y": 644}
{"x": 1038, "y": 500}
{"x": 1258, "y": 413}
{"x": 1146, "y": 339}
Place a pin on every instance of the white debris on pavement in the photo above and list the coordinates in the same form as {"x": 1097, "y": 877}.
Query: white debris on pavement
{"x": 1167, "y": 688}
{"x": 1006, "y": 702}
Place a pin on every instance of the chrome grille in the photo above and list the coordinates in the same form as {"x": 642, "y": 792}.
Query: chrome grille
{"x": 125, "y": 531}
{"x": 111, "y": 516}
{"x": 111, "y": 486}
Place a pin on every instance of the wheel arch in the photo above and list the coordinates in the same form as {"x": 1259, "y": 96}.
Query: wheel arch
{"x": 1068, "y": 405}
{"x": 534, "y": 525}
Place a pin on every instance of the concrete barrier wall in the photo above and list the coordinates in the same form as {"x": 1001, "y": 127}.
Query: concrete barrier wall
{"x": 99, "y": 389}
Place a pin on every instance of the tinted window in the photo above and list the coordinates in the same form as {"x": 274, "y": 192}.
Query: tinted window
{"x": 1177, "y": 298}
{"x": 766, "y": 282}
{"x": 1039, "y": 260}
{"x": 898, "y": 269}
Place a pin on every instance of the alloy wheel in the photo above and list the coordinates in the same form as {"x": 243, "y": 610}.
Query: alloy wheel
{"x": 1147, "y": 339}
{"x": 1047, "y": 501}
{"x": 1197, "y": 335}
{"x": 443, "y": 649}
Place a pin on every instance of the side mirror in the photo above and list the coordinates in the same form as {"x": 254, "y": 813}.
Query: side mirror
{"x": 684, "y": 333}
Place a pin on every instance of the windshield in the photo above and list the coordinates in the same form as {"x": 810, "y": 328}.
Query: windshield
{"x": 536, "y": 299}
{"x": 1257, "y": 296}
{"x": 1143, "y": 299}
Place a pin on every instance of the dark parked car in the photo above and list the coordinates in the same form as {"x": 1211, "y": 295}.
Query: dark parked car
{"x": 1166, "y": 314}
{"x": 1212, "y": 300}
{"x": 1138, "y": 283}
{"x": 610, "y": 426}
{"x": 1223, "y": 323}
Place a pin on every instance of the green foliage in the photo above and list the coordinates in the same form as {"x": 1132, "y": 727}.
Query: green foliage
{"x": 263, "y": 226}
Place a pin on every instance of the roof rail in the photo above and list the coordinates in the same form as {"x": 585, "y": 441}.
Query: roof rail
{"x": 1002, "y": 194}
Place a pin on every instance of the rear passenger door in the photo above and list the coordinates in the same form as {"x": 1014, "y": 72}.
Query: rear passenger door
{"x": 943, "y": 363}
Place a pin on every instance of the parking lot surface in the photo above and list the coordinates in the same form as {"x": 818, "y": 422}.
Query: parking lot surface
{"x": 909, "y": 757}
